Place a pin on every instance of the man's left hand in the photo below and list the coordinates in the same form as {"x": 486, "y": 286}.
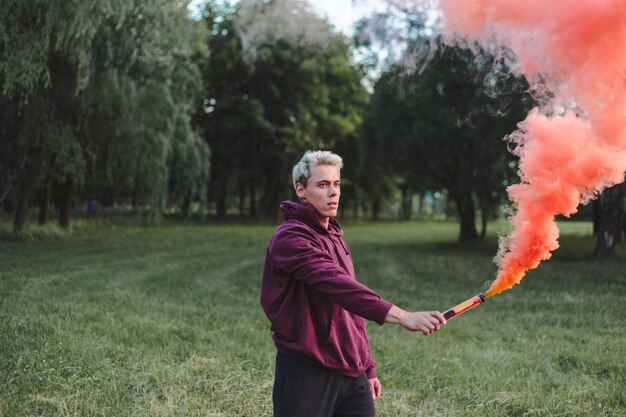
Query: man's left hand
{"x": 376, "y": 388}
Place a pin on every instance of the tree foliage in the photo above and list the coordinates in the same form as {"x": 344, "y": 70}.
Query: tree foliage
{"x": 99, "y": 91}
{"x": 440, "y": 129}
{"x": 260, "y": 114}
{"x": 136, "y": 104}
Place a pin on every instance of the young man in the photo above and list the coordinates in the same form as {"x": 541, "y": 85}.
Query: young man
{"x": 317, "y": 308}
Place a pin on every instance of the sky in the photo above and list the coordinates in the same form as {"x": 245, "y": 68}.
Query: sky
{"x": 343, "y": 13}
{"x": 340, "y": 13}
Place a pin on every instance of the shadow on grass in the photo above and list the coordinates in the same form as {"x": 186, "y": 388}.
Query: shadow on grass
{"x": 572, "y": 249}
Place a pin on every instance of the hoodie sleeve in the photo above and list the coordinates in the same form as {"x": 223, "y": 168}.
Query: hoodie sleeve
{"x": 370, "y": 372}
{"x": 297, "y": 252}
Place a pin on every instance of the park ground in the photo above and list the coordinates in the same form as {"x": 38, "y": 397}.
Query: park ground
{"x": 126, "y": 320}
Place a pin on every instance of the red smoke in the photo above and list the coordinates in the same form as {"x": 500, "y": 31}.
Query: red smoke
{"x": 574, "y": 144}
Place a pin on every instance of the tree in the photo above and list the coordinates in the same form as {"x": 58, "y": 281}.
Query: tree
{"x": 146, "y": 87}
{"x": 269, "y": 96}
{"x": 87, "y": 76}
{"x": 313, "y": 101}
{"x": 612, "y": 226}
{"x": 9, "y": 160}
{"x": 440, "y": 129}
{"x": 188, "y": 166}
{"x": 45, "y": 63}
{"x": 226, "y": 115}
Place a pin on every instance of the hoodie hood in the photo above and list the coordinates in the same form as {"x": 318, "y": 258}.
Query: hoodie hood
{"x": 306, "y": 213}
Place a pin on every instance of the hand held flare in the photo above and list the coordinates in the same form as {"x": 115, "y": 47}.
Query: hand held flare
{"x": 464, "y": 306}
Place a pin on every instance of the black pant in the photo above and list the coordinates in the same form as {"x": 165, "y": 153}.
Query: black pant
{"x": 302, "y": 389}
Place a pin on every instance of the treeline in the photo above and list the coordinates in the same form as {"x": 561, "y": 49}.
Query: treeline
{"x": 279, "y": 81}
{"x": 137, "y": 104}
{"x": 96, "y": 105}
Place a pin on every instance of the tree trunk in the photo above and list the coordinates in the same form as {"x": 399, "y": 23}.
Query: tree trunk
{"x": 105, "y": 190}
{"x": 65, "y": 210}
{"x": 106, "y": 196}
{"x": 484, "y": 217}
{"x": 483, "y": 226}
{"x": 467, "y": 217}
{"x": 596, "y": 207}
{"x": 407, "y": 203}
{"x": 274, "y": 195}
{"x": 421, "y": 203}
{"x": 252, "y": 201}
{"x": 44, "y": 200}
{"x": 221, "y": 201}
{"x": 284, "y": 191}
{"x": 186, "y": 206}
{"x": 46, "y": 192}
{"x": 265, "y": 212}
{"x": 375, "y": 208}
{"x": 242, "y": 199}
{"x": 134, "y": 199}
{"x": 21, "y": 213}
{"x": 611, "y": 225}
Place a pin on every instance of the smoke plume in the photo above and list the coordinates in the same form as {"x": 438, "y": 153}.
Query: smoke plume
{"x": 573, "y": 145}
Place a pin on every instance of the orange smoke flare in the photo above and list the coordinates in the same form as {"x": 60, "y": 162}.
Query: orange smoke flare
{"x": 464, "y": 306}
{"x": 573, "y": 145}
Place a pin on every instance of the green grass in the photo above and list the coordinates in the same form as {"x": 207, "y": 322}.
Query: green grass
{"x": 165, "y": 321}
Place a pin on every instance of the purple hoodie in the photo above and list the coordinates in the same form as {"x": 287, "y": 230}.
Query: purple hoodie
{"x": 310, "y": 294}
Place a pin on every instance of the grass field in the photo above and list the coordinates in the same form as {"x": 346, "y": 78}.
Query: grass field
{"x": 165, "y": 321}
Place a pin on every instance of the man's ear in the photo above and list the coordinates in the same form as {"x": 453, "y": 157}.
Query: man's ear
{"x": 299, "y": 190}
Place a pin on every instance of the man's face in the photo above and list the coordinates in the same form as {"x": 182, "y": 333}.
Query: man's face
{"x": 322, "y": 191}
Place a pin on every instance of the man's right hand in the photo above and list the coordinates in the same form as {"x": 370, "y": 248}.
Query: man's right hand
{"x": 420, "y": 321}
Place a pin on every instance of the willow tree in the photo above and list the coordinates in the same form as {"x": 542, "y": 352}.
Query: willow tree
{"x": 45, "y": 62}
{"x": 189, "y": 167}
{"x": 61, "y": 59}
{"x": 146, "y": 87}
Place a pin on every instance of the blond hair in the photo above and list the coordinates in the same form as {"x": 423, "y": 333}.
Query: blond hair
{"x": 302, "y": 170}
